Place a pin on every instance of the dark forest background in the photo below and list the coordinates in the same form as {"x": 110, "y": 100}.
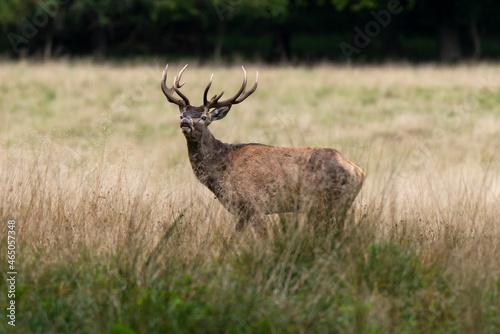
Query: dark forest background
{"x": 259, "y": 30}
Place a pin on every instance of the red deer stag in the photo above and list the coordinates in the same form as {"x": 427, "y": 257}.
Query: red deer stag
{"x": 254, "y": 179}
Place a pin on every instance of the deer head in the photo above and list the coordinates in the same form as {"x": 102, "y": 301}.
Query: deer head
{"x": 194, "y": 120}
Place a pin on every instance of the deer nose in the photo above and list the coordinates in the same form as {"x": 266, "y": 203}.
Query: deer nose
{"x": 185, "y": 122}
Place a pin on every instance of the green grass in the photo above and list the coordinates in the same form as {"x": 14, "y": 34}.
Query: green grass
{"x": 115, "y": 234}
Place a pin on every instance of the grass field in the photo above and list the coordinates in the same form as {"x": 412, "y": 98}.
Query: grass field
{"x": 114, "y": 233}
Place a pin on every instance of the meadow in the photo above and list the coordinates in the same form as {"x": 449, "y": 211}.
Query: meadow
{"x": 115, "y": 234}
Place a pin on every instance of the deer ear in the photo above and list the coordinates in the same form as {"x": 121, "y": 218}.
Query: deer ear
{"x": 220, "y": 113}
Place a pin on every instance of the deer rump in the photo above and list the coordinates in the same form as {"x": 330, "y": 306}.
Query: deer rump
{"x": 260, "y": 179}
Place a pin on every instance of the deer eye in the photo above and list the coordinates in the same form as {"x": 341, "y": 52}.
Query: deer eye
{"x": 203, "y": 117}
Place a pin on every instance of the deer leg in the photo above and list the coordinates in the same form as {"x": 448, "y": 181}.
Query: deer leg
{"x": 246, "y": 216}
{"x": 241, "y": 223}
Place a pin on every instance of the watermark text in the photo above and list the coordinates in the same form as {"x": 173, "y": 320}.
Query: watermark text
{"x": 12, "y": 272}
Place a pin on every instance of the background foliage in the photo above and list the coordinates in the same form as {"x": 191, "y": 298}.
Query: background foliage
{"x": 265, "y": 30}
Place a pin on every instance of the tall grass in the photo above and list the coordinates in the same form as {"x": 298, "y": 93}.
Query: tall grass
{"x": 116, "y": 235}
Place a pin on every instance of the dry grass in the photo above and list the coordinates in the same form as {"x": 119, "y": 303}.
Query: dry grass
{"x": 95, "y": 172}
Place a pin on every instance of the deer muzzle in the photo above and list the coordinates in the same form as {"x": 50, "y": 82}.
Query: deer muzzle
{"x": 186, "y": 125}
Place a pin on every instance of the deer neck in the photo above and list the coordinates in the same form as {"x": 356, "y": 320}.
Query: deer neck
{"x": 209, "y": 158}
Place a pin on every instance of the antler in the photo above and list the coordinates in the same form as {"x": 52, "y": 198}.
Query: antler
{"x": 238, "y": 98}
{"x": 169, "y": 92}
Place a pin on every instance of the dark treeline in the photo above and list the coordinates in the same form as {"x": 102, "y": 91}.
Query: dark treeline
{"x": 264, "y": 30}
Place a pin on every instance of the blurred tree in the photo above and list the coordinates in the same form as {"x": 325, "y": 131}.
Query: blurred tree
{"x": 12, "y": 10}
{"x": 191, "y": 24}
{"x": 456, "y": 23}
{"x": 379, "y": 9}
{"x": 280, "y": 30}
{"x": 276, "y": 13}
{"x": 14, "y": 13}
{"x": 98, "y": 19}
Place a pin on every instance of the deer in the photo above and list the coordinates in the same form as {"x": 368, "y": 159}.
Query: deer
{"x": 252, "y": 180}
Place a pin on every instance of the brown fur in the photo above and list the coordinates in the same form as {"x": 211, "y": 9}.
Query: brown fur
{"x": 255, "y": 179}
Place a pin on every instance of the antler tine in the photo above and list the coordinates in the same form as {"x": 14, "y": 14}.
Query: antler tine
{"x": 242, "y": 88}
{"x": 177, "y": 85}
{"x": 178, "y": 78}
{"x": 205, "y": 100}
{"x": 169, "y": 92}
{"x": 240, "y": 96}
{"x": 246, "y": 94}
{"x": 217, "y": 97}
